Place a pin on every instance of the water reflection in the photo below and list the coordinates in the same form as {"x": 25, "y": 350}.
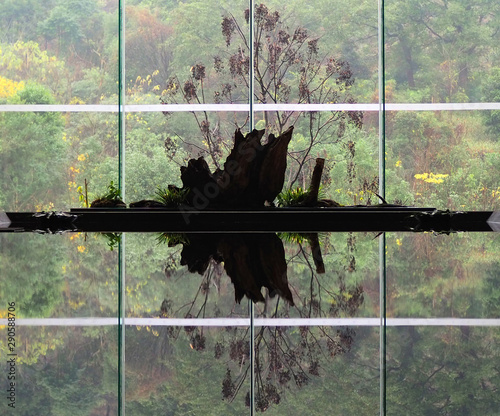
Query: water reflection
{"x": 446, "y": 370}
{"x": 317, "y": 326}
{"x": 252, "y": 261}
{"x": 258, "y": 266}
{"x": 287, "y": 358}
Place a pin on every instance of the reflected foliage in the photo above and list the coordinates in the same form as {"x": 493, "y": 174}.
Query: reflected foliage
{"x": 286, "y": 358}
{"x": 423, "y": 374}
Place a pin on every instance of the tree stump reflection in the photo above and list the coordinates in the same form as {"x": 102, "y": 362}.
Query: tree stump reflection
{"x": 252, "y": 261}
{"x": 286, "y": 358}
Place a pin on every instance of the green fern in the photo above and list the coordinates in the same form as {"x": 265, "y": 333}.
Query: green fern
{"x": 114, "y": 239}
{"x": 299, "y": 238}
{"x": 172, "y": 197}
{"x": 172, "y": 239}
{"x": 295, "y": 238}
{"x": 295, "y": 197}
{"x": 292, "y": 197}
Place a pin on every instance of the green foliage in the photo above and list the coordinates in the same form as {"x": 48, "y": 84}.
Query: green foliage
{"x": 292, "y": 197}
{"x": 112, "y": 192}
{"x": 171, "y": 197}
{"x": 83, "y": 195}
{"x": 441, "y": 47}
{"x": 149, "y": 50}
{"x": 26, "y": 61}
{"x": 31, "y": 269}
{"x": 491, "y": 291}
{"x": 492, "y": 94}
{"x": 154, "y": 153}
{"x": 113, "y": 239}
{"x": 197, "y": 29}
{"x": 296, "y": 238}
{"x": 426, "y": 359}
{"x": 172, "y": 239}
{"x": 20, "y": 18}
{"x": 74, "y": 378}
{"x": 35, "y": 94}
{"x": 95, "y": 84}
{"x": 33, "y": 156}
{"x": 74, "y": 25}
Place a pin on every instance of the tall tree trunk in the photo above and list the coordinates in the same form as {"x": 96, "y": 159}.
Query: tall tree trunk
{"x": 410, "y": 69}
{"x": 463, "y": 75}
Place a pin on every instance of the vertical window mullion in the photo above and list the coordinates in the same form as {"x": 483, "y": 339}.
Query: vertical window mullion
{"x": 382, "y": 239}
{"x": 121, "y": 98}
{"x": 251, "y": 308}
{"x": 381, "y": 96}
{"x": 121, "y": 186}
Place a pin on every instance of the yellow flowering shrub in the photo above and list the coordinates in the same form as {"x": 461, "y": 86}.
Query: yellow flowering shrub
{"x": 8, "y": 88}
{"x": 431, "y": 177}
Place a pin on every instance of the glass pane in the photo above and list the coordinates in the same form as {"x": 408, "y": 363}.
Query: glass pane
{"x": 330, "y": 275}
{"x": 63, "y": 52}
{"x": 315, "y": 53}
{"x": 443, "y": 160}
{"x": 160, "y": 144}
{"x": 440, "y": 52}
{"x": 46, "y": 158}
{"x": 180, "y": 276}
{"x": 59, "y": 276}
{"x": 438, "y": 58}
{"x": 178, "y": 54}
{"x": 442, "y": 302}
{"x": 176, "y": 57}
{"x": 62, "y": 369}
{"x": 442, "y": 276}
{"x": 211, "y": 356}
{"x": 314, "y": 369}
{"x": 59, "y": 316}
{"x": 440, "y": 370}
{"x": 182, "y": 370}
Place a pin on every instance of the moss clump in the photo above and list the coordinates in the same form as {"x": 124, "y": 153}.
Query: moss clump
{"x": 112, "y": 198}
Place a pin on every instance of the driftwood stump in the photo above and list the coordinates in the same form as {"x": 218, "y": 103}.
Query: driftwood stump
{"x": 253, "y": 173}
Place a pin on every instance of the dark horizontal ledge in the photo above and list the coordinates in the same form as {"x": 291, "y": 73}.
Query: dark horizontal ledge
{"x": 356, "y": 219}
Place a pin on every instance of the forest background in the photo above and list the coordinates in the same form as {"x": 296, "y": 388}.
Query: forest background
{"x": 66, "y": 52}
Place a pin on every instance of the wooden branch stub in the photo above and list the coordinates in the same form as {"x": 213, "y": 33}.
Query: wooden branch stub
{"x": 312, "y": 197}
{"x": 316, "y": 252}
